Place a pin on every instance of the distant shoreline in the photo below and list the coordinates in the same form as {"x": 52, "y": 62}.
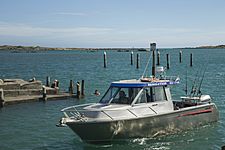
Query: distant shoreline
{"x": 39, "y": 48}
{"x": 214, "y": 47}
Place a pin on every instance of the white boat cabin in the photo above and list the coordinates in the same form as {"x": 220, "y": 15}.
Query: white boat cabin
{"x": 138, "y": 93}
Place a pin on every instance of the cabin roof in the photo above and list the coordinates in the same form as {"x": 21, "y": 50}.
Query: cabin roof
{"x": 143, "y": 83}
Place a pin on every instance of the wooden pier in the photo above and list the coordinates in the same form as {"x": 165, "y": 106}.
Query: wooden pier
{"x": 17, "y": 90}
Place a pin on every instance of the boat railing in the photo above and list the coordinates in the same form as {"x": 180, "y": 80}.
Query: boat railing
{"x": 75, "y": 111}
{"x": 170, "y": 78}
{"x": 76, "y": 107}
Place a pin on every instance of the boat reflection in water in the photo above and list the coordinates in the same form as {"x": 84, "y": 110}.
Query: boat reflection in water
{"x": 138, "y": 108}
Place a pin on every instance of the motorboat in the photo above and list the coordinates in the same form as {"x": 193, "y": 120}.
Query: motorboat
{"x": 139, "y": 108}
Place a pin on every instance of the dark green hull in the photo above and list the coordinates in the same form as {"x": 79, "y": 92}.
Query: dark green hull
{"x": 150, "y": 126}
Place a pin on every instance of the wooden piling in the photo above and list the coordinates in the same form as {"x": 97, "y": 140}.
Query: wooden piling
{"x": 78, "y": 90}
{"x": 131, "y": 57}
{"x": 158, "y": 58}
{"x": 137, "y": 61}
{"x": 48, "y": 81}
{"x": 44, "y": 93}
{"x": 82, "y": 88}
{"x": 167, "y": 61}
{"x": 191, "y": 60}
{"x": 180, "y": 56}
{"x": 105, "y": 60}
{"x": 57, "y": 83}
{"x": 71, "y": 87}
{"x": 2, "y": 101}
{"x": 153, "y": 49}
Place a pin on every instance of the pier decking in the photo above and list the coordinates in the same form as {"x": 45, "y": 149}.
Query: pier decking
{"x": 17, "y": 90}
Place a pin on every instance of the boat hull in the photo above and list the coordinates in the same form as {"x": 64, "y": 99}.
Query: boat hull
{"x": 144, "y": 127}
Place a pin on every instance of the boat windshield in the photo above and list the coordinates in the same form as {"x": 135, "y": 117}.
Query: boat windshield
{"x": 120, "y": 95}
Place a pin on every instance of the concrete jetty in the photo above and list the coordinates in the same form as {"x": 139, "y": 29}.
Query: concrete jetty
{"x": 18, "y": 90}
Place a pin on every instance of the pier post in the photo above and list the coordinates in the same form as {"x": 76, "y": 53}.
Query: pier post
{"x": 167, "y": 61}
{"x": 131, "y": 57}
{"x": 2, "y": 101}
{"x": 56, "y": 83}
{"x": 191, "y": 60}
{"x": 78, "y": 90}
{"x": 48, "y": 82}
{"x": 158, "y": 58}
{"x": 105, "y": 59}
{"x": 44, "y": 93}
{"x": 153, "y": 49}
{"x": 180, "y": 56}
{"x": 137, "y": 61}
{"x": 71, "y": 87}
{"x": 82, "y": 88}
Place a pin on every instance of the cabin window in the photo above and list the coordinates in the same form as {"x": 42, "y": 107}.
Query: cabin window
{"x": 142, "y": 98}
{"x": 152, "y": 94}
{"x": 159, "y": 94}
{"x": 168, "y": 94}
{"x": 112, "y": 91}
{"x": 119, "y": 95}
{"x": 125, "y": 95}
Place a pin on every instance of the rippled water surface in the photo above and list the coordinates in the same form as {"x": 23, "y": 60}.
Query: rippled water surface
{"x": 31, "y": 125}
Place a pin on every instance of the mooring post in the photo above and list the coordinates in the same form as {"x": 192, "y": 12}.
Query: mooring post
{"x": 56, "y": 86}
{"x": 78, "y": 90}
{"x": 44, "y": 93}
{"x": 158, "y": 58}
{"x": 191, "y": 60}
{"x": 131, "y": 57}
{"x": 57, "y": 83}
{"x": 48, "y": 82}
{"x": 82, "y": 88}
{"x": 105, "y": 59}
{"x": 2, "y": 99}
{"x": 137, "y": 61}
{"x": 180, "y": 56}
{"x": 71, "y": 87}
{"x": 153, "y": 49}
{"x": 168, "y": 61}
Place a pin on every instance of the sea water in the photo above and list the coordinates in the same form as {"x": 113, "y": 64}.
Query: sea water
{"x": 32, "y": 125}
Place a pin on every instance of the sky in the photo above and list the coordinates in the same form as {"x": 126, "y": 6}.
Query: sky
{"x": 112, "y": 23}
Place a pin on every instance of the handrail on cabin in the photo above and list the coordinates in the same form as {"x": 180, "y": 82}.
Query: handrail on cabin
{"x": 78, "y": 115}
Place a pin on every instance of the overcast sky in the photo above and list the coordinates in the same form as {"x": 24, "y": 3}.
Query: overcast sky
{"x": 112, "y": 23}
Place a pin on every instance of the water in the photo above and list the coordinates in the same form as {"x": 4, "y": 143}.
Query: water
{"x": 31, "y": 125}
